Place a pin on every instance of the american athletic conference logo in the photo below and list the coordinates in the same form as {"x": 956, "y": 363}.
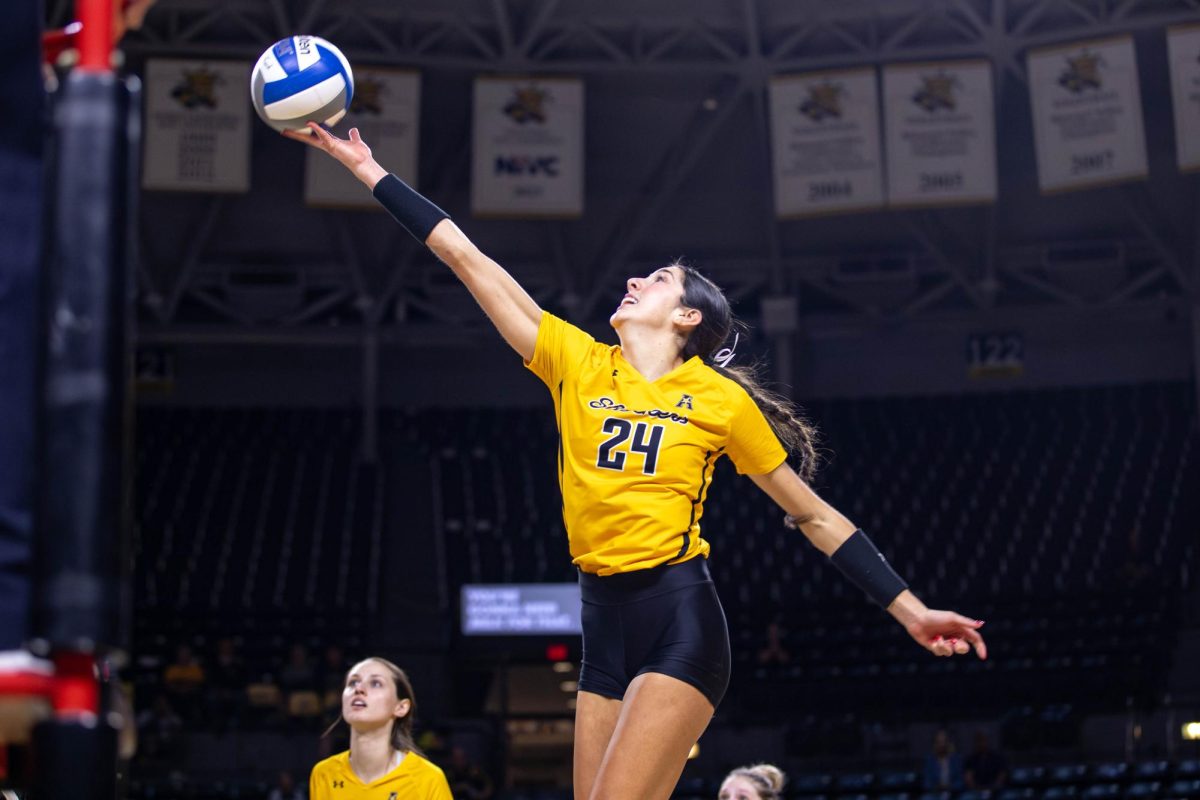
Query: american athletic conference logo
{"x": 1082, "y": 73}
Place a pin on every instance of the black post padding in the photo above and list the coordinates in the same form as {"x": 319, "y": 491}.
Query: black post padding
{"x": 79, "y": 598}
{"x": 74, "y": 759}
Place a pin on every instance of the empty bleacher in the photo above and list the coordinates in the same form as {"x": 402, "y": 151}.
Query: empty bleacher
{"x": 1063, "y": 517}
{"x": 254, "y": 510}
{"x": 1066, "y": 518}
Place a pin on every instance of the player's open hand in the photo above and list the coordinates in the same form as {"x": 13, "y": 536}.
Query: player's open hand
{"x": 353, "y": 153}
{"x": 945, "y": 633}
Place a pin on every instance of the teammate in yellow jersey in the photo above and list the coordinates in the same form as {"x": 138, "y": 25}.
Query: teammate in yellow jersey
{"x": 383, "y": 762}
{"x": 641, "y": 425}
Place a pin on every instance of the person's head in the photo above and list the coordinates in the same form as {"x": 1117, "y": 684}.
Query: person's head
{"x": 982, "y": 743}
{"x": 378, "y": 694}
{"x": 942, "y": 745}
{"x": 286, "y": 781}
{"x": 676, "y": 299}
{"x": 756, "y": 782}
{"x": 680, "y": 302}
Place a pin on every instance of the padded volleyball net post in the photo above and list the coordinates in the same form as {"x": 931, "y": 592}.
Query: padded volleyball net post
{"x": 80, "y": 589}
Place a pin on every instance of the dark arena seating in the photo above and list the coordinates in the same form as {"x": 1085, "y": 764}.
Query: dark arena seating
{"x": 1009, "y": 504}
{"x": 246, "y": 510}
{"x": 1066, "y": 518}
{"x": 264, "y": 416}
{"x": 264, "y": 526}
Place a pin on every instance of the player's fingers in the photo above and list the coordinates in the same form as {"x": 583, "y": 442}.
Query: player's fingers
{"x": 297, "y": 136}
{"x": 961, "y": 648}
{"x": 939, "y": 647}
{"x": 966, "y": 622}
{"x": 327, "y": 139}
{"x": 951, "y": 643}
{"x": 355, "y": 136}
{"x": 976, "y": 641}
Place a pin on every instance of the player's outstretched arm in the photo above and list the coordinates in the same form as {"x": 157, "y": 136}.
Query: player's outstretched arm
{"x": 509, "y": 307}
{"x": 943, "y": 633}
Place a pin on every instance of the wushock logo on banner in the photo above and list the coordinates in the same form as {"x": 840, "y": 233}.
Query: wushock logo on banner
{"x": 941, "y": 138}
{"x": 197, "y": 126}
{"x": 1087, "y": 114}
{"x": 825, "y": 142}
{"x": 386, "y": 110}
{"x": 528, "y": 147}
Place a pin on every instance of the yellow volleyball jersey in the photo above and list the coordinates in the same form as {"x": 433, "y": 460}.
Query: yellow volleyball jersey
{"x": 636, "y": 457}
{"x": 416, "y": 778}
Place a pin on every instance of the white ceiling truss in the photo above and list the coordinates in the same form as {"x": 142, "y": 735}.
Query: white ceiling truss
{"x": 199, "y": 281}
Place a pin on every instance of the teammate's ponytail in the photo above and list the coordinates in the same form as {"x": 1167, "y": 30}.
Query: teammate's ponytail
{"x": 795, "y": 433}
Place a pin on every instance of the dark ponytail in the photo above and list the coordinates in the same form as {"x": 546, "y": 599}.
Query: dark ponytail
{"x": 795, "y": 433}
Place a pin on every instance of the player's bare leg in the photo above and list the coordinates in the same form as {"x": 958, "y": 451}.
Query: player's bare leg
{"x": 595, "y": 720}
{"x": 661, "y": 718}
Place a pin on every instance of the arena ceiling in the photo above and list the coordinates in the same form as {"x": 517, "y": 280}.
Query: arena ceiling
{"x": 678, "y": 164}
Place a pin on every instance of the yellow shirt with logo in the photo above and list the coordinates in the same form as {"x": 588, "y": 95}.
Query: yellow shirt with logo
{"x": 636, "y": 457}
{"x": 416, "y": 778}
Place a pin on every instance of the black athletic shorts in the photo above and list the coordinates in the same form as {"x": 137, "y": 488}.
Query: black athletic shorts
{"x": 666, "y": 619}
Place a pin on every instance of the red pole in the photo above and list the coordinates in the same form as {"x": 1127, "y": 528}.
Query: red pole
{"x": 96, "y": 38}
{"x": 75, "y": 690}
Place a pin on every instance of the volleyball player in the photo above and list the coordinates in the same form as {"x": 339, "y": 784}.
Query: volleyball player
{"x": 641, "y": 427}
{"x": 756, "y": 782}
{"x": 383, "y": 761}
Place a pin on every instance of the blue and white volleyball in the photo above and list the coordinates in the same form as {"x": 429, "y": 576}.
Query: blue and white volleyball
{"x": 298, "y": 79}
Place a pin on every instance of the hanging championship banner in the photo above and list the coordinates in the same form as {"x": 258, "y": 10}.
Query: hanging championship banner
{"x": 941, "y": 134}
{"x": 385, "y": 109}
{"x": 1087, "y": 114}
{"x": 1183, "y": 53}
{"x": 197, "y": 126}
{"x": 528, "y": 147}
{"x": 825, "y": 142}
